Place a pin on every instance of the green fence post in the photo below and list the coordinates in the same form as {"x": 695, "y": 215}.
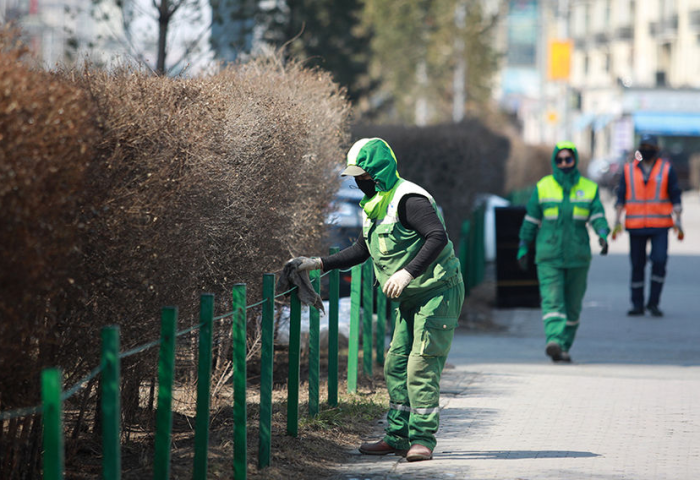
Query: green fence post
{"x": 164, "y": 413}
{"x": 367, "y": 310}
{"x": 201, "y": 426}
{"x": 293, "y": 355}
{"x": 464, "y": 253}
{"x": 314, "y": 349}
{"x": 354, "y": 340}
{"x": 266, "y": 360}
{"x": 240, "y": 383}
{"x": 381, "y": 325}
{"x": 480, "y": 247}
{"x": 52, "y": 411}
{"x": 333, "y": 299}
{"x": 111, "y": 409}
{"x": 471, "y": 267}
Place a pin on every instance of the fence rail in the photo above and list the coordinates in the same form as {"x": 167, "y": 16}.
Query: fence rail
{"x": 362, "y": 291}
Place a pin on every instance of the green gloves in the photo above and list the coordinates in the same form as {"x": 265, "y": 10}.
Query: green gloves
{"x": 522, "y": 256}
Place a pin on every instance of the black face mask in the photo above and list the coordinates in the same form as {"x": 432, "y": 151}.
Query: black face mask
{"x": 367, "y": 187}
{"x": 648, "y": 153}
{"x": 567, "y": 170}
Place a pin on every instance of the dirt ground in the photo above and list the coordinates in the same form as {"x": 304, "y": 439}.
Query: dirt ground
{"x": 322, "y": 442}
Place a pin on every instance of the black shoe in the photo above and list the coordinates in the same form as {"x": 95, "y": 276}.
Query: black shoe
{"x": 565, "y": 358}
{"x": 654, "y": 310}
{"x": 553, "y": 349}
{"x": 635, "y": 312}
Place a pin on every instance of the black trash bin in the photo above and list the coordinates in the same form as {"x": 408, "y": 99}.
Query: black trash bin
{"x": 514, "y": 288}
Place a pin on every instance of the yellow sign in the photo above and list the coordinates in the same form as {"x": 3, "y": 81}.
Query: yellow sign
{"x": 559, "y": 59}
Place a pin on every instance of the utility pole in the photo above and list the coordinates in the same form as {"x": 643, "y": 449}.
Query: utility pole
{"x": 459, "y": 96}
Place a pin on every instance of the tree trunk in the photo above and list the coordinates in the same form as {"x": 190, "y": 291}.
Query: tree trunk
{"x": 163, "y": 21}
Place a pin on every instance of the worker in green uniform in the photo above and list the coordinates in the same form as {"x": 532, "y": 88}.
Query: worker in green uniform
{"x": 557, "y": 216}
{"x": 414, "y": 262}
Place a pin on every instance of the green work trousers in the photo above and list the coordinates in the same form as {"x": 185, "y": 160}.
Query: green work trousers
{"x": 413, "y": 366}
{"x": 562, "y": 291}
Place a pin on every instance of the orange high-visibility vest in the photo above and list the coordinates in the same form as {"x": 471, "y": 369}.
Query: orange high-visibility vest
{"x": 648, "y": 205}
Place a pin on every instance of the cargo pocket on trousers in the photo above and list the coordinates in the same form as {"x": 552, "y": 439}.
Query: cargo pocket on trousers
{"x": 437, "y": 336}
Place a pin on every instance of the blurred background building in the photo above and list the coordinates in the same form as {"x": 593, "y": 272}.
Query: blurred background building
{"x": 602, "y": 72}
{"x": 598, "y": 72}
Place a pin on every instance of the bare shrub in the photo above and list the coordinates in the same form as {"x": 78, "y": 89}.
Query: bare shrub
{"x": 47, "y": 133}
{"x": 127, "y": 192}
{"x": 454, "y": 162}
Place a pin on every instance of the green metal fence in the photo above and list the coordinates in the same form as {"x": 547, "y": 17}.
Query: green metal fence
{"x": 362, "y": 290}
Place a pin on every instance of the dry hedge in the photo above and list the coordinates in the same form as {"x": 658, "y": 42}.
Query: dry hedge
{"x": 123, "y": 192}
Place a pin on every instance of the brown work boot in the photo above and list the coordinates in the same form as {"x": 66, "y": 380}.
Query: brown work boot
{"x": 418, "y": 452}
{"x": 380, "y": 448}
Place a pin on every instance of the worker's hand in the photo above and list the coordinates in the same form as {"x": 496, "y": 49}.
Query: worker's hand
{"x": 396, "y": 283}
{"x": 679, "y": 231}
{"x": 603, "y": 245}
{"x": 522, "y": 257}
{"x": 308, "y": 264}
{"x": 617, "y": 230}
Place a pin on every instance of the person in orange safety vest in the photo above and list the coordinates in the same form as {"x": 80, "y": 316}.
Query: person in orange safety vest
{"x": 650, "y": 197}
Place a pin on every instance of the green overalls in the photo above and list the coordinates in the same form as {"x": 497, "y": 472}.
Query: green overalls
{"x": 429, "y": 306}
{"x": 557, "y": 216}
{"x": 428, "y": 312}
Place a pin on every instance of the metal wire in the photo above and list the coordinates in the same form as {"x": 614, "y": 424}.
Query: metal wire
{"x": 23, "y": 412}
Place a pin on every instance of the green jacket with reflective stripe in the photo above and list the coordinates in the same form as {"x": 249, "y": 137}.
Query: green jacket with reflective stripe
{"x": 557, "y": 218}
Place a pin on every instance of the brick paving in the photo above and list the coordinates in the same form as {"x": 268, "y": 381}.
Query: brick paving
{"x": 628, "y": 408}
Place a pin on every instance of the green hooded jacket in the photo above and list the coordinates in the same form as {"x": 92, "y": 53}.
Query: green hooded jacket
{"x": 558, "y": 213}
{"x": 391, "y": 245}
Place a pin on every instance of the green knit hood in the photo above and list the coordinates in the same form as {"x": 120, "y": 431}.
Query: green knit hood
{"x": 376, "y": 157}
{"x": 566, "y": 180}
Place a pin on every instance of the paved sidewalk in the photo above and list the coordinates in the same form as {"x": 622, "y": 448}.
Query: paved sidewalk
{"x": 629, "y": 408}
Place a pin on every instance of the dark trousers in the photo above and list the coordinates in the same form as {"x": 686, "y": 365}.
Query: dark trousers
{"x": 638, "y": 259}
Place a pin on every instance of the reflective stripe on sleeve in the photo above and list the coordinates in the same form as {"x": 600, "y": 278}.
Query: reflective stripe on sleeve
{"x": 553, "y": 315}
{"x": 530, "y": 219}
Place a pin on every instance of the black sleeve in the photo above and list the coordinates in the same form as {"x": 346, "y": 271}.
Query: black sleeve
{"x": 674, "y": 191}
{"x": 349, "y": 257}
{"x": 417, "y": 213}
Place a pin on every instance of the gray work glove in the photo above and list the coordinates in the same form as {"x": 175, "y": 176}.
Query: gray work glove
{"x": 307, "y": 264}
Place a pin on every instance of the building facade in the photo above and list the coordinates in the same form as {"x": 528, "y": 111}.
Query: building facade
{"x": 634, "y": 68}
